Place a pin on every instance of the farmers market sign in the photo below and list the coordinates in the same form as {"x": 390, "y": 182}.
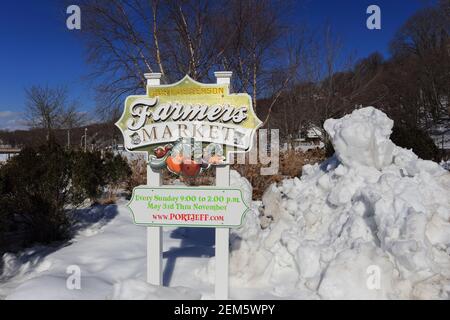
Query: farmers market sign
{"x": 187, "y": 127}
{"x": 193, "y": 206}
{"x": 188, "y": 123}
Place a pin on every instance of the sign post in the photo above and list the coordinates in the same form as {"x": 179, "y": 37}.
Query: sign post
{"x": 222, "y": 242}
{"x": 154, "y": 234}
{"x": 222, "y": 234}
{"x": 188, "y": 127}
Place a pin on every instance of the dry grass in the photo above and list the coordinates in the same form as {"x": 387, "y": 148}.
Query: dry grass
{"x": 291, "y": 163}
{"x": 138, "y": 174}
{"x": 110, "y": 199}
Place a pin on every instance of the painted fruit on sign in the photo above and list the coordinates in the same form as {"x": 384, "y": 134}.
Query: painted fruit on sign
{"x": 186, "y": 157}
{"x": 190, "y": 168}
{"x": 174, "y": 163}
{"x": 162, "y": 151}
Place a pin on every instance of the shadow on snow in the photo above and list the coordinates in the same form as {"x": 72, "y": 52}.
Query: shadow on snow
{"x": 196, "y": 242}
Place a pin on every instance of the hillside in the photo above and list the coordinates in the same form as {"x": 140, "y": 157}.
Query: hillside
{"x": 99, "y": 134}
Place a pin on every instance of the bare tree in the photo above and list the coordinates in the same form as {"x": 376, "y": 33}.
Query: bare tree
{"x": 127, "y": 38}
{"x": 49, "y": 109}
{"x": 72, "y": 118}
{"x": 253, "y": 30}
{"x": 45, "y": 107}
{"x": 284, "y": 79}
{"x": 424, "y": 41}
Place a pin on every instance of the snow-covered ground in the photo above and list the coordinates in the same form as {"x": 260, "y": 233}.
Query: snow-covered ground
{"x": 372, "y": 222}
{"x": 111, "y": 255}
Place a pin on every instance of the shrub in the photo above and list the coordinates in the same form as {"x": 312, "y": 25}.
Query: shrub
{"x": 417, "y": 140}
{"x": 35, "y": 189}
{"x": 88, "y": 175}
{"x": 117, "y": 171}
{"x": 40, "y": 184}
{"x": 92, "y": 172}
{"x": 4, "y": 216}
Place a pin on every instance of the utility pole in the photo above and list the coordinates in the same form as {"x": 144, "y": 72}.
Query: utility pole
{"x": 85, "y": 139}
{"x": 68, "y": 139}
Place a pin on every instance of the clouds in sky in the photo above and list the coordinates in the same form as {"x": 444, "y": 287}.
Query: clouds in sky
{"x": 12, "y": 120}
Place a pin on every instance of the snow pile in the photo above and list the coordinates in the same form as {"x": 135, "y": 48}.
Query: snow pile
{"x": 372, "y": 222}
{"x": 362, "y": 138}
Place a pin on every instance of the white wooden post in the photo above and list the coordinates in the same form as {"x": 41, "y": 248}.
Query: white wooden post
{"x": 154, "y": 234}
{"x": 222, "y": 234}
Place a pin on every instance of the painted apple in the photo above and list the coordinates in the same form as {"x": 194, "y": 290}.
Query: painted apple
{"x": 168, "y": 147}
{"x": 160, "y": 152}
{"x": 174, "y": 163}
{"x": 190, "y": 168}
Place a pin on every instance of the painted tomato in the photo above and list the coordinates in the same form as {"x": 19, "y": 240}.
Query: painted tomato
{"x": 190, "y": 168}
{"x": 174, "y": 163}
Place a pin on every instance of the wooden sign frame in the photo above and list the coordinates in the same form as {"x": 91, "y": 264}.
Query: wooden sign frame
{"x": 154, "y": 177}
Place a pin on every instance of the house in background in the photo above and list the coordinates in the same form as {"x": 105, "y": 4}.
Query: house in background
{"x": 313, "y": 135}
{"x": 306, "y": 139}
{"x": 7, "y": 151}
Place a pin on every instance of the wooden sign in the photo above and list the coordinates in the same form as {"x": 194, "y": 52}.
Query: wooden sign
{"x": 188, "y": 206}
{"x": 188, "y": 126}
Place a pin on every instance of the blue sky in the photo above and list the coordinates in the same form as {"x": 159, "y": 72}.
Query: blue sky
{"x": 37, "y": 48}
{"x": 348, "y": 19}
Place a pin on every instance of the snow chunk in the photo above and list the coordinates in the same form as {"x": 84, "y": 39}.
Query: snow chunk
{"x": 362, "y": 138}
{"x": 239, "y": 182}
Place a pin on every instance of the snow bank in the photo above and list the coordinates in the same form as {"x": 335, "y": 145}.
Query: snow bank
{"x": 372, "y": 222}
